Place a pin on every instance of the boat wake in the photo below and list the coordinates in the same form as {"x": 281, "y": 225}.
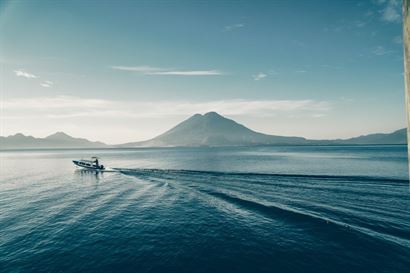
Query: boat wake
{"x": 327, "y": 206}
{"x": 165, "y": 172}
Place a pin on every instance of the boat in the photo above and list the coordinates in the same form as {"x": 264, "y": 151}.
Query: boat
{"x": 92, "y": 164}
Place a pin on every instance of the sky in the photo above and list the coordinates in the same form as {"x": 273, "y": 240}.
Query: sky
{"x": 121, "y": 71}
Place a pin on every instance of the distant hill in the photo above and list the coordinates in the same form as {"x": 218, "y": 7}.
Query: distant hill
{"x": 212, "y": 129}
{"x": 57, "y": 140}
{"x": 397, "y": 137}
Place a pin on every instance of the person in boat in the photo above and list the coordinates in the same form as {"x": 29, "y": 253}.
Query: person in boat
{"x": 96, "y": 162}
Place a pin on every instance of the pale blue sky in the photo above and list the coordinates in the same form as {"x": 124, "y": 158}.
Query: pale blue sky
{"x": 122, "y": 71}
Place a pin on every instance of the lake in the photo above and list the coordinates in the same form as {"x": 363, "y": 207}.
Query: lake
{"x": 248, "y": 209}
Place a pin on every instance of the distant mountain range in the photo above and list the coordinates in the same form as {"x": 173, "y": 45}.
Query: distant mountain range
{"x": 57, "y": 140}
{"x": 210, "y": 129}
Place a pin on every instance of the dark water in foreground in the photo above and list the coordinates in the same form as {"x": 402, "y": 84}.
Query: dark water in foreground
{"x": 266, "y": 209}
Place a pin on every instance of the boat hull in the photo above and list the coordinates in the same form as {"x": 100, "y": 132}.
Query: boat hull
{"x": 87, "y": 166}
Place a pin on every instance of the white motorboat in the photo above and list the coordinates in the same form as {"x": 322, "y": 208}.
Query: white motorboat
{"x": 92, "y": 164}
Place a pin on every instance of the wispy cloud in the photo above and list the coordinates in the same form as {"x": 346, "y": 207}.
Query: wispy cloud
{"x": 360, "y": 24}
{"x": 391, "y": 11}
{"x": 149, "y": 70}
{"x": 188, "y": 73}
{"x": 384, "y": 10}
{"x": 259, "y": 76}
{"x": 47, "y": 84}
{"x": 72, "y": 107}
{"x": 22, "y": 73}
{"x": 25, "y": 74}
{"x": 380, "y": 51}
{"x": 233, "y": 27}
{"x": 398, "y": 40}
{"x": 142, "y": 69}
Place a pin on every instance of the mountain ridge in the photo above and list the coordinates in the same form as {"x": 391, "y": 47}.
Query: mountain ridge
{"x": 57, "y": 140}
{"x": 210, "y": 129}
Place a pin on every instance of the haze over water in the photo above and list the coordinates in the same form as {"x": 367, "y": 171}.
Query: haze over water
{"x": 264, "y": 209}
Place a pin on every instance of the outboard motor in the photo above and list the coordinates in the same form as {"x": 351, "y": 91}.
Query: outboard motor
{"x": 101, "y": 167}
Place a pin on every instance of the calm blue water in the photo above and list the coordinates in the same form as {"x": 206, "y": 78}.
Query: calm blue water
{"x": 264, "y": 209}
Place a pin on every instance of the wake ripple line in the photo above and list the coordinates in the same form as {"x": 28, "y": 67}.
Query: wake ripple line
{"x": 311, "y": 221}
{"x": 149, "y": 172}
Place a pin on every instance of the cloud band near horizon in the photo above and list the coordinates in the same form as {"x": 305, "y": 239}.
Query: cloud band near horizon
{"x": 149, "y": 70}
{"x": 67, "y": 107}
